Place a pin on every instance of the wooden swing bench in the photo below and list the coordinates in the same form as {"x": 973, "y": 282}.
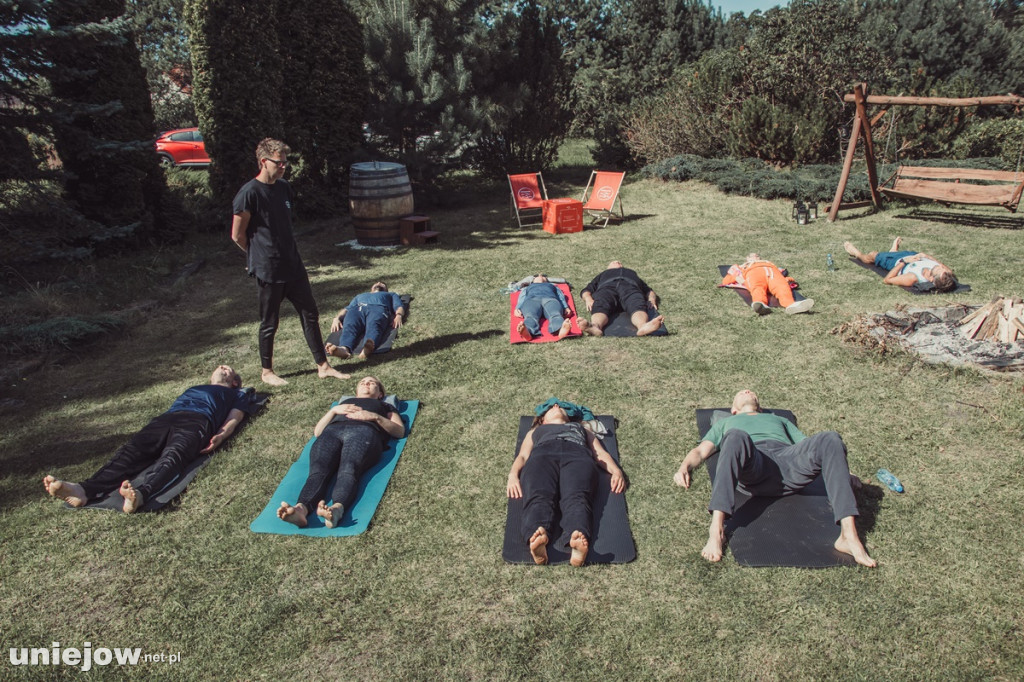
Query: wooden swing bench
{"x": 946, "y": 186}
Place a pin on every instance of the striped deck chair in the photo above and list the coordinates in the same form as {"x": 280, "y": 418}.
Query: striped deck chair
{"x": 601, "y": 201}
{"x": 528, "y": 196}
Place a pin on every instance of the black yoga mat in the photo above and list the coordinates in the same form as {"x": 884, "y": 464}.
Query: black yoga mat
{"x": 795, "y": 530}
{"x": 335, "y": 337}
{"x": 114, "y": 501}
{"x": 612, "y": 541}
{"x": 773, "y": 302}
{"x": 919, "y": 288}
{"x": 620, "y": 324}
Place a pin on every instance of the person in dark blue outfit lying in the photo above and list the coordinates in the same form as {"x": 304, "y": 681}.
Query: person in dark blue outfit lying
{"x": 372, "y": 315}
{"x": 349, "y": 441}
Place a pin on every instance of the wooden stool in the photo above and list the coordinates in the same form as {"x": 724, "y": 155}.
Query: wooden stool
{"x": 415, "y": 229}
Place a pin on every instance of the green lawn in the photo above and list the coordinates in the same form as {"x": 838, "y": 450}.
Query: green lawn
{"x": 424, "y": 593}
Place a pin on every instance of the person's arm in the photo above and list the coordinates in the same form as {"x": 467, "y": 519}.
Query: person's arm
{"x": 235, "y": 418}
{"x": 392, "y": 424}
{"x": 561, "y": 299}
{"x": 396, "y": 303}
{"x": 339, "y": 321}
{"x": 694, "y": 459}
{"x": 518, "y": 310}
{"x": 896, "y": 279}
{"x": 795, "y": 434}
{"x": 513, "y": 487}
{"x": 239, "y": 225}
{"x": 607, "y": 462}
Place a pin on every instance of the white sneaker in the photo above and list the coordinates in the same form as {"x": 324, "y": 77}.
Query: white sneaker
{"x": 760, "y": 308}
{"x": 800, "y": 306}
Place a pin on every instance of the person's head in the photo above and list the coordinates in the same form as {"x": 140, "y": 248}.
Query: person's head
{"x": 370, "y": 387}
{"x": 272, "y": 156}
{"x": 225, "y": 376}
{"x": 378, "y": 286}
{"x": 615, "y": 264}
{"x": 540, "y": 278}
{"x": 943, "y": 278}
{"x": 554, "y": 415}
{"x": 745, "y": 401}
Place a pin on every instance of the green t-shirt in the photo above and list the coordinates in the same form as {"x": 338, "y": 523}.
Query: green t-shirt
{"x": 760, "y": 426}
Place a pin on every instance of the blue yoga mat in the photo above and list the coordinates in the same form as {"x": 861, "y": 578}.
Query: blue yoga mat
{"x": 357, "y": 517}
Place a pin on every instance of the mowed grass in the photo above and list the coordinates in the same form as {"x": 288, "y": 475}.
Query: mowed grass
{"x": 424, "y": 593}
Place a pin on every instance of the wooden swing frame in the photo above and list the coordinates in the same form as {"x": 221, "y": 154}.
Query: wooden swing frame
{"x": 924, "y": 182}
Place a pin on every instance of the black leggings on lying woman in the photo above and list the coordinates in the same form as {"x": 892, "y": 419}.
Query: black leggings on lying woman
{"x": 348, "y": 447}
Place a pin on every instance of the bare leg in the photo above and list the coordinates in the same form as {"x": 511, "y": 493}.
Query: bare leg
{"x": 716, "y": 538}
{"x": 580, "y": 547}
{"x": 268, "y": 377}
{"x": 566, "y": 328}
{"x": 331, "y": 515}
{"x": 896, "y": 244}
{"x": 296, "y": 514}
{"x": 72, "y": 493}
{"x": 523, "y": 331}
{"x": 368, "y": 347}
{"x": 867, "y": 258}
{"x": 849, "y": 543}
{"x": 598, "y": 321}
{"x": 539, "y": 546}
{"x": 325, "y": 370}
{"x": 132, "y": 498}
{"x": 339, "y": 352}
{"x": 650, "y": 326}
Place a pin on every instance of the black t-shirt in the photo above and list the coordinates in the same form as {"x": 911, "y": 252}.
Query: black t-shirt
{"x": 272, "y": 255}
{"x": 617, "y": 277}
{"x": 370, "y": 405}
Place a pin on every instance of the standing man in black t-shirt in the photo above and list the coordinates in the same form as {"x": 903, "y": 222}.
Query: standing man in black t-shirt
{"x": 262, "y": 227}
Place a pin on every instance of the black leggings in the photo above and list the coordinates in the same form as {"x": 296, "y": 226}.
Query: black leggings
{"x": 348, "y": 448}
{"x": 300, "y": 294}
{"x": 560, "y": 476}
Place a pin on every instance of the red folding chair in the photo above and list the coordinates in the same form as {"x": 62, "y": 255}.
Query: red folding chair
{"x": 528, "y": 196}
{"x": 601, "y": 201}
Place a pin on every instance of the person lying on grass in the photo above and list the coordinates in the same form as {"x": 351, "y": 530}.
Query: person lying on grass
{"x": 907, "y": 268}
{"x": 557, "y": 465}
{"x": 372, "y": 315}
{"x": 197, "y": 422}
{"x": 538, "y": 300}
{"x": 762, "y": 279}
{"x": 349, "y": 441}
{"x": 619, "y": 289}
{"x": 768, "y": 455}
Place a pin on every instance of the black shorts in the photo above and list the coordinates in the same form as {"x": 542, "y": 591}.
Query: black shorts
{"x": 620, "y": 295}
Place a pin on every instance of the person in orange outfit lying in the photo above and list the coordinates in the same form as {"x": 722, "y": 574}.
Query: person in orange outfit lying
{"x": 763, "y": 278}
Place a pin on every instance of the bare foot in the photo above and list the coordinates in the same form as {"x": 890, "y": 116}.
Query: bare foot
{"x": 590, "y": 328}
{"x": 339, "y": 352}
{"x": 132, "y": 498}
{"x": 331, "y": 515}
{"x": 523, "y": 331}
{"x": 325, "y": 370}
{"x": 268, "y": 377}
{"x": 583, "y": 325}
{"x": 566, "y": 328}
{"x": 368, "y": 347}
{"x": 853, "y": 547}
{"x": 580, "y": 547}
{"x": 713, "y": 550}
{"x": 851, "y": 249}
{"x": 896, "y": 244}
{"x": 539, "y": 546}
{"x": 72, "y": 493}
{"x": 296, "y": 514}
{"x": 651, "y": 326}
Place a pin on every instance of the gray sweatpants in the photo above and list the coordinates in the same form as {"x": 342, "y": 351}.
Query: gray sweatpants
{"x": 771, "y": 468}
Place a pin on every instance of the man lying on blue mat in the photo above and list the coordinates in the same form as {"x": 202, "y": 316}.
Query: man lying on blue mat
{"x": 199, "y": 420}
{"x": 373, "y": 315}
{"x": 769, "y": 456}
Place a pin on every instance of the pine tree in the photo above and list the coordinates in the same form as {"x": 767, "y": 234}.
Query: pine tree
{"x": 162, "y": 39}
{"x": 22, "y": 65}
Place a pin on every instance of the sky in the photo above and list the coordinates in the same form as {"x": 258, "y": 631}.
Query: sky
{"x": 746, "y": 6}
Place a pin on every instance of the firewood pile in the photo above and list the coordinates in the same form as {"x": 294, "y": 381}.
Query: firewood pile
{"x": 1002, "y": 320}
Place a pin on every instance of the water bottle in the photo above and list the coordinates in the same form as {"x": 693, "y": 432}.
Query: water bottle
{"x": 885, "y": 476}
{"x": 830, "y": 264}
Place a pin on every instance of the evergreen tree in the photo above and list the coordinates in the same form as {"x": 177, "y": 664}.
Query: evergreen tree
{"x": 236, "y": 67}
{"x": 102, "y": 119}
{"x": 162, "y": 39}
{"x": 22, "y": 63}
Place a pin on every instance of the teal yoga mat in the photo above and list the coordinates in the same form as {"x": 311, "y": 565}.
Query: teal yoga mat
{"x": 357, "y": 518}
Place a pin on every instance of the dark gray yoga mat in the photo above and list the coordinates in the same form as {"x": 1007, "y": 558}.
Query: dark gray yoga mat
{"x": 613, "y": 540}
{"x": 114, "y": 501}
{"x": 920, "y": 288}
{"x": 620, "y": 324}
{"x": 795, "y": 530}
{"x": 773, "y": 302}
{"x": 335, "y": 337}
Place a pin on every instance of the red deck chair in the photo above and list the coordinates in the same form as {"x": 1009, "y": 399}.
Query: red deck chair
{"x": 601, "y": 202}
{"x": 528, "y": 195}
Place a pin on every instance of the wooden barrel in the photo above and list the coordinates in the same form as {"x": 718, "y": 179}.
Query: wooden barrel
{"x": 379, "y": 195}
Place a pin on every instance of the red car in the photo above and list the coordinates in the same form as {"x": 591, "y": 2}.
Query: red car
{"x": 182, "y": 147}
